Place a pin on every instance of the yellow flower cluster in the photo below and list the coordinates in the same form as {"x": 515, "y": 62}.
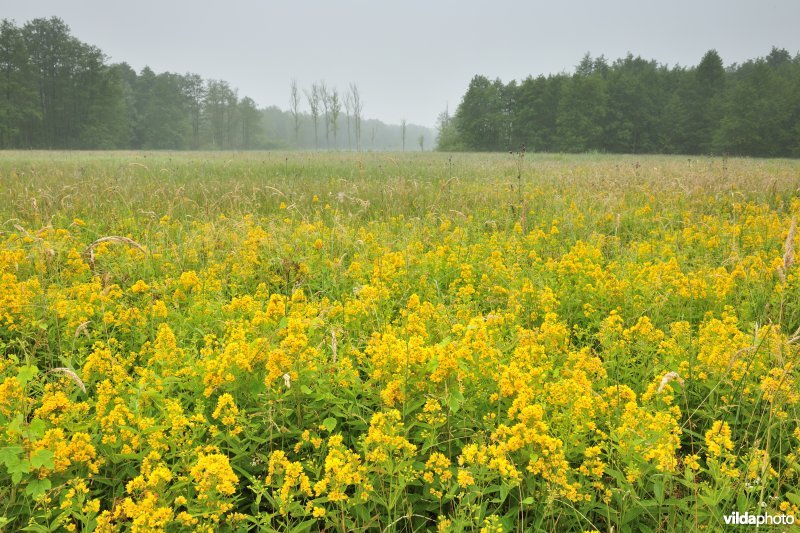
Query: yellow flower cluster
{"x": 385, "y": 441}
{"x": 212, "y": 474}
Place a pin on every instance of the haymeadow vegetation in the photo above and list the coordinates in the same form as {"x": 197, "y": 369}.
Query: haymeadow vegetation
{"x": 633, "y": 105}
{"x": 353, "y": 342}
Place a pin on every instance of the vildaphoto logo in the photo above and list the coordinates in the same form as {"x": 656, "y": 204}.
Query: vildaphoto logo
{"x": 746, "y": 519}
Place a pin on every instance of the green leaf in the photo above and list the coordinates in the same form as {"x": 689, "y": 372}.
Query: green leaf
{"x": 37, "y": 427}
{"x": 16, "y": 425}
{"x": 304, "y": 526}
{"x": 42, "y": 458}
{"x": 658, "y": 489}
{"x": 36, "y": 528}
{"x": 26, "y": 373}
{"x": 18, "y": 470}
{"x": 631, "y": 514}
{"x": 37, "y": 487}
{"x": 741, "y": 502}
{"x": 329, "y": 423}
{"x": 284, "y": 321}
{"x": 504, "y": 490}
{"x": 304, "y": 389}
{"x": 528, "y": 501}
{"x": 793, "y": 497}
{"x": 10, "y": 455}
{"x": 455, "y": 401}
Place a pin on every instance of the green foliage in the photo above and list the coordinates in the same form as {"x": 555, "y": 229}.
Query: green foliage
{"x": 57, "y": 92}
{"x": 638, "y": 106}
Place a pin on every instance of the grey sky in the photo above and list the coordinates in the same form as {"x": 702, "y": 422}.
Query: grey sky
{"x": 410, "y": 58}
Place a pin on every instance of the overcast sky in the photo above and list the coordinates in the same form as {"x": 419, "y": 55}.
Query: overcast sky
{"x": 410, "y": 59}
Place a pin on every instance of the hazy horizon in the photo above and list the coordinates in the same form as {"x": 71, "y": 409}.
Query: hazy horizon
{"x": 411, "y": 60}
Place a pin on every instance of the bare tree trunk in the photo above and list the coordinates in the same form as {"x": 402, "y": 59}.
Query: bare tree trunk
{"x": 358, "y": 106}
{"x": 348, "y": 106}
{"x": 294, "y": 106}
{"x": 313, "y": 102}
{"x": 325, "y": 98}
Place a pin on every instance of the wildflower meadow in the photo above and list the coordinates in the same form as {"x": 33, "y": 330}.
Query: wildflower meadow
{"x": 396, "y": 342}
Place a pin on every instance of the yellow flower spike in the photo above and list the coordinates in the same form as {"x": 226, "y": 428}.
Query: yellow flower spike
{"x": 212, "y": 473}
{"x": 718, "y": 439}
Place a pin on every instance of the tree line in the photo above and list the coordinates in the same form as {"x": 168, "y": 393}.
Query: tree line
{"x": 57, "y": 92}
{"x": 636, "y": 106}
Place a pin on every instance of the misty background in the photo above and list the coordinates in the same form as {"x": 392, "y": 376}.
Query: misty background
{"x": 410, "y": 59}
{"x": 316, "y": 76}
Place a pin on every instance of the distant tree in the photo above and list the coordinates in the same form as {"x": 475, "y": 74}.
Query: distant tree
{"x": 163, "y": 119}
{"x": 127, "y": 80}
{"x": 336, "y": 108}
{"x": 779, "y": 58}
{"x": 194, "y": 90}
{"x": 762, "y": 110}
{"x": 325, "y": 99}
{"x": 51, "y": 50}
{"x": 447, "y": 139}
{"x": 218, "y": 108}
{"x": 634, "y": 100}
{"x": 403, "y": 132}
{"x": 581, "y": 113}
{"x": 313, "y": 97}
{"x": 421, "y": 142}
{"x": 706, "y": 106}
{"x": 75, "y": 88}
{"x": 586, "y": 66}
{"x": 100, "y": 111}
{"x": 508, "y": 99}
{"x": 250, "y": 122}
{"x": 537, "y": 105}
{"x": 675, "y": 120}
{"x": 232, "y": 119}
{"x": 348, "y": 107}
{"x": 18, "y": 102}
{"x": 294, "y": 107}
{"x": 358, "y": 107}
{"x": 481, "y": 116}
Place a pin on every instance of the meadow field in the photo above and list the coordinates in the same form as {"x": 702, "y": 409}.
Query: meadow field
{"x": 396, "y": 342}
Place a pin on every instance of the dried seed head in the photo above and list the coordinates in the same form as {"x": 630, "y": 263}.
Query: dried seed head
{"x": 788, "y": 246}
{"x": 669, "y": 376}
{"x": 89, "y": 251}
{"x": 82, "y": 328}
{"x": 72, "y": 375}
